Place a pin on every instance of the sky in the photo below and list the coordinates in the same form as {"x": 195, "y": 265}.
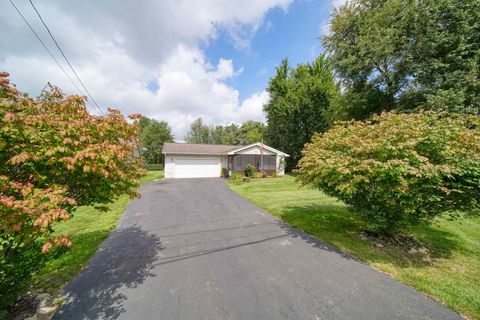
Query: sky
{"x": 172, "y": 60}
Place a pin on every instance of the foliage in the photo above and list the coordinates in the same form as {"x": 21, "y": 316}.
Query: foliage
{"x": 21, "y": 266}
{"x": 153, "y": 166}
{"x": 249, "y": 171}
{"x": 247, "y": 133}
{"x": 398, "y": 54}
{"x": 299, "y": 99}
{"x": 236, "y": 176}
{"x": 258, "y": 175}
{"x": 224, "y": 173}
{"x": 153, "y": 134}
{"x": 399, "y": 169}
{"x": 250, "y": 132}
{"x": 54, "y": 156}
{"x": 445, "y": 271}
{"x": 199, "y": 133}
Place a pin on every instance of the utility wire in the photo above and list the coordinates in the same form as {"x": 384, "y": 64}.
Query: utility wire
{"x": 63, "y": 54}
{"x": 46, "y": 48}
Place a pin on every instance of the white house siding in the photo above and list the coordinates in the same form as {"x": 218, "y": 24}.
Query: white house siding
{"x": 280, "y": 165}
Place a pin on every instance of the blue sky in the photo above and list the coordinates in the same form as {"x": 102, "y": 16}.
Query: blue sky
{"x": 172, "y": 60}
{"x": 293, "y": 34}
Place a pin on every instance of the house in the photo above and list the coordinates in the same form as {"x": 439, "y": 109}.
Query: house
{"x": 186, "y": 160}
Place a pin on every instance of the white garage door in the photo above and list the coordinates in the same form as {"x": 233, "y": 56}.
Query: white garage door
{"x": 197, "y": 168}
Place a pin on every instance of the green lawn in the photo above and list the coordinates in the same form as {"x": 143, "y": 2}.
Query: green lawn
{"x": 87, "y": 229}
{"x": 151, "y": 175}
{"x": 449, "y": 273}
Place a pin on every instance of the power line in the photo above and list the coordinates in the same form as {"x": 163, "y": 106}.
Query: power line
{"x": 63, "y": 54}
{"x": 46, "y": 48}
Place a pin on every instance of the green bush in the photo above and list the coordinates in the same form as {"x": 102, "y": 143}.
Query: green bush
{"x": 399, "y": 169}
{"x": 153, "y": 166}
{"x": 258, "y": 175}
{"x": 249, "y": 171}
{"x": 236, "y": 176}
{"x": 17, "y": 271}
{"x": 224, "y": 173}
{"x": 55, "y": 156}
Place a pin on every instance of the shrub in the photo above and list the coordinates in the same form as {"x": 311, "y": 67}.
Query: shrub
{"x": 258, "y": 175}
{"x": 154, "y": 166}
{"x": 236, "y": 176}
{"x": 54, "y": 156}
{"x": 399, "y": 169}
{"x": 249, "y": 171}
{"x": 224, "y": 173}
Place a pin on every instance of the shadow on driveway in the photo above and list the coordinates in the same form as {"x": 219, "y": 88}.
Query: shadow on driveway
{"x": 125, "y": 259}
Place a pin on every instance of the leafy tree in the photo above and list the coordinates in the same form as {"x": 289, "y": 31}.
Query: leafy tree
{"x": 217, "y": 134}
{"x": 299, "y": 100}
{"x": 446, "y": 54}
{"x": 153, "y": 134}
{"x": 397, "y": 170}
{"x": 55, "y": 156}
{"x": 250, "y": 132}
{"x": 230, "y": 136}
{"x": 247, "y": 133}
{"x": 395, "y": 54}
{"x": 199, "y": 132}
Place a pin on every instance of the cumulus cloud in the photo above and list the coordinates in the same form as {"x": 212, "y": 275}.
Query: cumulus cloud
{"x": 122, "y": 50}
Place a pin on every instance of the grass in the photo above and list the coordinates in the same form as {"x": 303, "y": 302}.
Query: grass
{"x": 87, "y": 229}
{"x": 151, "y": 176}
{"x": 449, "y": 273}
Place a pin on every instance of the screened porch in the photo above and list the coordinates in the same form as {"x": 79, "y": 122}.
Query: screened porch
{"x": 238, "y": 162}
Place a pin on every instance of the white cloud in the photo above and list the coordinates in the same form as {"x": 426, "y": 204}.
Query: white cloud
{"x": 338, "y": 3}
{"x": 324, "y": 28}
{"x": 120, "y": 47}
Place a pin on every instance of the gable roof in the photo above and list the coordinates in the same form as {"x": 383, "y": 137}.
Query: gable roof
{"x": 210, "y": 149}
{"x": 258, "y": 144}
{"x": 193, "y": 148}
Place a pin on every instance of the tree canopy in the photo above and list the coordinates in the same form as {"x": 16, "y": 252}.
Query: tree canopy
{"x": 406, "y": 55}
{"x": 247, "y": 133}
{"x": 153, "y": 134}
{"x": 300, "y": 99}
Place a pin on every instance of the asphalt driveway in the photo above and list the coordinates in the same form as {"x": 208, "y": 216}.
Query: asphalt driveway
{"x": 192, "y": 249}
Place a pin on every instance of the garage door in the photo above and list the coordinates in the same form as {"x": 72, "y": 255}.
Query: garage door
{"x": 197, "y": 168}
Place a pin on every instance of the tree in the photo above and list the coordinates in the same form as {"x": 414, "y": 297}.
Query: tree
{"x": 250, "y": 132}
{"x": 397, "y": 170}
{"x": 299, "y": 100}
{"x": 394, "y": 54}
{"x": 230, "y": 135}
{"x": 153, "y": 134}
{"x": 247, "y": 133}
{"x": 217, "y": 134}
{"x": 199, "y": 132}
{"x": 446, "y": 54}
{"x": 55, "y": 156}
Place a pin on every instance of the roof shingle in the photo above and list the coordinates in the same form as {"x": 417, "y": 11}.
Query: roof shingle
{"x": 192, "y": 148}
